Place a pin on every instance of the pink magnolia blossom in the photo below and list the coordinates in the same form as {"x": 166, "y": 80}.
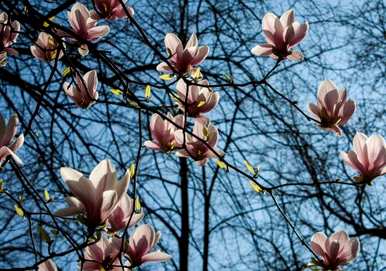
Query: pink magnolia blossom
{"x": 110, "y": 9}
{"x": 85, "y": 27}
{"x": 103, "y": 255}
{"x": 162, "y": 132}
{"x": 332, "y": 109}
{"x": 140, "y": 244}
{"x": 9, "y": 144}
{"x": 123, "y": 214}
{"x": 281, "y": 36}
{"x": 84, "y": 90}
{"x": 200, "y": 99}
{"x": 48, "y": 265}
{"x": 335, "y": 251}
{"x": 368, "y": 157}
{"x": 9, "y": 31}
{"x": 95, "y": 197}
{"x": 195, "y": 148}
{"x": 46, "y": 48}
{"x": 182, "y": 59}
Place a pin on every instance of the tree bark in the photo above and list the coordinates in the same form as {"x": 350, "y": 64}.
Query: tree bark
{"x": 184, "y": 237}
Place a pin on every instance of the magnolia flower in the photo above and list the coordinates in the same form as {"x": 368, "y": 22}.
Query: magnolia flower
{"x": 332, "y": 109}
{"x": 110, "y": 9}
{"x": 103, "y": 255}
{"x": 9, "y": 144}
{"x": 46, "y": 48}
{"x": 182, "y": 59}
{"x": 84, "y": 90}
{"x": 83, "y": 25}
{"x": 123, "y": 214}
{"x": 368, "y": 157}
{"x": 162, "y": 132}
{"x": 9, "y": 31}
{"x": 200, "y": 99}
{"x": 94, "y": 197}
{"x": 141, "y": 243}
{"x": 48, "y": 265}
{"x": 334, "y": 251}
{"x": 199, "y": 150}
{"x": 281, "y": 35}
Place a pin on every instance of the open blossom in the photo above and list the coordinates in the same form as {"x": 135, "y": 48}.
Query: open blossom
{"x": 200, "y": 99}
{"x": 84, "y": 90}
{"x": 182, "y": 59}
{"x": 162, "y": 132}
{"x": 46, "y": 48}
{"x": 199, "y": 150}
{"x": 281, "y": 36}
{"x": 368, "y": 157}
{"x": 9, "y": 31}
{"x": 48, "y": 265}
{"x": 110, "y": 9}
{"x": 9, "y": 144}
{"x": 335, "y": 251}
{"x": 95, "y": 197}
{"x": 140, "y": 244}
{"x": 123, "y": 214}
{"x": 103, "y": 255}
{"x": 332, "y": 109}
{"x": 83, "y": 25}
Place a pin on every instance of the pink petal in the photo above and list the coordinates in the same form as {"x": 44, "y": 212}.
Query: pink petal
{"x": 68, "y": 211}
{"x": 98, "y": 32}
{"x": 262, "y": 50}
{"x": 91, "y": 80}
{"x": 269, "y": 22}
{"x": 340, "y": 236}
{"x": 351, "y": 159}
{"x": 300, "y": 31}
{"x": 192, "y": 42}
{"x": 10, "y": 131}
{"x": 347, "y": 111}
{"x": 122, "y": 186}
{"x": 164, "y": 67}
{"x": 375, "y": 143}
{"x": 5, "y": 152}
{"x": 48, "y": 265}
{"x": 102, "y": 176}
{"x": 295, "y": 56}
{"x": 354, "y": 248}
{"x": 287, "y": 18}
{"x": 325, "y": 87}
{"x": 83, "y": 190}
{"x": 109, "y": 201}
{"x": 70, "y": 174}
{"x": 156, "y": 256}
{"x": 151, "y": 145}
{"x": 319, "y": 238}
{"x": 172, "y": 42}
{"x": 289, "y": 34}
{"x": 332, "y": 249}
{"x": 200, "y": 56}
{"x": 330, "y": 101}
{"x": 314, "y": 110}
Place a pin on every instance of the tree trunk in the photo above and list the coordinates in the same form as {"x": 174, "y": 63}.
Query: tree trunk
{"x": 184, "y": 237}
